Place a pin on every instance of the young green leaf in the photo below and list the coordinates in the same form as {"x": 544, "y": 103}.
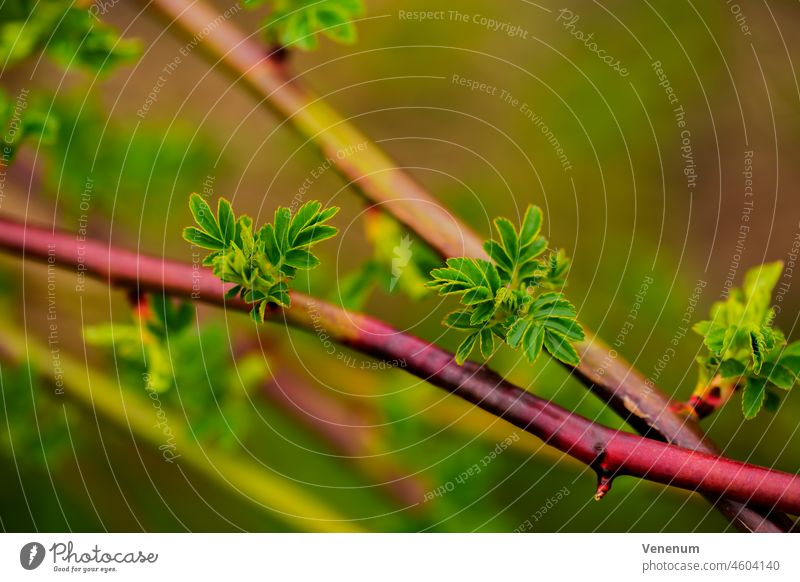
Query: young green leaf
{"x": 743, "y": 344}
{"x": 260, "y": 263}
{"x": 753, "y": 397}
{"x": 298, "y": 23}
{"x": 509, "y": 297}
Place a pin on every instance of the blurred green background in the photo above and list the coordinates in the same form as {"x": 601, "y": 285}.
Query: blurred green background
{"x": 268, "y": 413}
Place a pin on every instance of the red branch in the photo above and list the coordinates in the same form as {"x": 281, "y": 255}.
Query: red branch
{"x": 610, "y": 453}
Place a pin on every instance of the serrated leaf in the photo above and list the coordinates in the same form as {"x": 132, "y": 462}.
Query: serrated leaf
{"x": 204, "y": 216}
{"x": 201, "y": 239}
{"x": 568, "y": 328}
{"x": 227, "y": 221}
{"x": 508, "y": 237}
{"x": 561, "y": 349}
{"x": 487, "y": 342}
{"x": 731, "y": 368}
{"x": 466, "y": 347}
{"x": 517, "y": 331}
{"x": 753, "y": 397}
{"x": 531, "y": 225}
{"x": 499, "y": 256}
{"x": 458, "y": 320}
{"x": 778, "y": 375}
{"x": 482, "y": 313}
{"x": 759, "y": 349}
{"x": 314, "y": 234}
{"x": 477, "y": 295}
{"x": 301, "y": 259}
{"x": 532, "y": 341}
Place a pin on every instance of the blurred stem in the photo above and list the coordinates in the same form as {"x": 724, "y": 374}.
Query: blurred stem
{"x": 134, "y": 415}
{"x": 642, "y": 404}
{"x": 608, "y": 452}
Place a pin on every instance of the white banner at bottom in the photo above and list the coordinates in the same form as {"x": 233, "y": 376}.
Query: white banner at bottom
{"x": 401, "y": 557}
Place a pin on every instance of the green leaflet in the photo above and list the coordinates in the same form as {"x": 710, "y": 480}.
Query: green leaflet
{"x": 260, "y": 263}
{"x": 514, "y": 297}
{"x": 298, "y": 23}
{"x": 743, "y": 344}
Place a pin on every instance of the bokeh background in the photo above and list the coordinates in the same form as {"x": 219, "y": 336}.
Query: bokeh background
{"x": 264, "y": 413}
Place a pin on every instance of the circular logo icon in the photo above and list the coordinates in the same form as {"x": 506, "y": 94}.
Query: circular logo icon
{"x": 31, "y": 555}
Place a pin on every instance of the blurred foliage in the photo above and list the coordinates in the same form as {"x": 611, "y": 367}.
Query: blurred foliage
{"x": 116, "y": 160}
{"x": 68, "y": 34}
{"x": 298, "y": 23}
{"x": 163, "y": 320}
{"x": 399, "y": 264}
{"x": 36, "y": 431}
{"x": 170, "y": 356}
{"x": 21, "y": 119}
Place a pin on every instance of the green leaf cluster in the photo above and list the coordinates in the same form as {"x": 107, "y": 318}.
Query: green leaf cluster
{"x": 149, "y": 340}
{"x": 262, "y": 262}
{"x": 298, "y": 23}
{"x": 23, "y": 119}
{"x": 743, "y": 346}
{"x": 182, "y": 363}
{"x": 70, "y": 35}
{"x": 515, "y": 297}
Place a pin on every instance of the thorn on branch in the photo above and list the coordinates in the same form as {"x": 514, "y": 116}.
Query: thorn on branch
{"x": 605, "y": 477}
{"x": 279, "y": 54}
{"x": 604, "y": 482}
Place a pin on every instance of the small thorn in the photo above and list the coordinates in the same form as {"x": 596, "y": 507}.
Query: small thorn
{"x": 603, "y": 486}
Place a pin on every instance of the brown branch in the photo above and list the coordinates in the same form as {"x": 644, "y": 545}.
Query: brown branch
{"x": 642, "y": 404}
{"x": 608, "y": 452}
